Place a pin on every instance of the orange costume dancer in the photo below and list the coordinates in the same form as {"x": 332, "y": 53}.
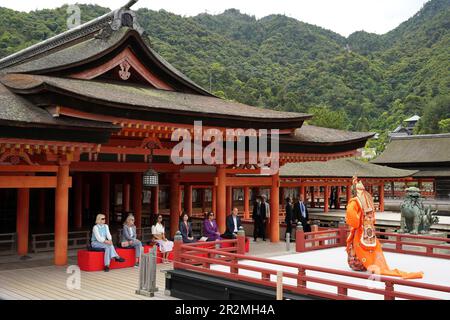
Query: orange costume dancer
{"x": 363, "y": 248}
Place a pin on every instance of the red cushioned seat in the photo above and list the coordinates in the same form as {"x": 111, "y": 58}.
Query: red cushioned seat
{"x": 128, "y": 255}
{"x": 90, "y": 260}
{"x": 94, "y": 261}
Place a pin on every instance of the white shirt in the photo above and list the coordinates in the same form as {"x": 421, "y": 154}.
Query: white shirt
{"x": 158, "y": 229}
{"x": 131, "y": 231}
{"x": 235, "y": 224}
{"x": 99, "y": 237}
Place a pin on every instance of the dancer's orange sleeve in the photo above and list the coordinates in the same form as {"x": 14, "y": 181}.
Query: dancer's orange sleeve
{"x": 353, "y": 215}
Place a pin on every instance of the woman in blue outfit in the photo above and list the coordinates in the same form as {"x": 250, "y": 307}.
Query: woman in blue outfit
{"x": 102, "y": 239}
{"x": 186, "y": 229}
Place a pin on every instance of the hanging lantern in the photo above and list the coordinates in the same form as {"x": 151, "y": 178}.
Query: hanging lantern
{"x": 150, "y": 178}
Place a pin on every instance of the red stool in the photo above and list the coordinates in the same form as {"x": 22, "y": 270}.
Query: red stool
{"x": 90, "y": 260}
{"x": 94, "y": 261}
{"x": 130, "y": 258}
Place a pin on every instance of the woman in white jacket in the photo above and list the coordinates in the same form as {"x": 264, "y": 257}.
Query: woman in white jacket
{"x": 102, "y": 239}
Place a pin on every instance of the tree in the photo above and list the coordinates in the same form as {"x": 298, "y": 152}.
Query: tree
{"x": 325, "y": 117}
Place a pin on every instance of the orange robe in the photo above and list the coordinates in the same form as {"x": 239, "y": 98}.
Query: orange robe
{"x": 372, "y": 257}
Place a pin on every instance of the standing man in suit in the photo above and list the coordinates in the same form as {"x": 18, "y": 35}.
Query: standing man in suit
{"x": 289, "y": 216}
{"x": 233, "y": 224}
{"x": 267, "y": 215}
{"x": 301, "y": 214}
{"x": 259, "y": 218}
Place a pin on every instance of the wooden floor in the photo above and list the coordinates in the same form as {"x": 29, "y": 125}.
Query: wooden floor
{"x": 49, "y": 283}
{"x": 38, "y": 279}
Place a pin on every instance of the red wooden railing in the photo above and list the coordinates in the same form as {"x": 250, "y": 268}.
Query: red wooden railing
{"x": 402, "y": 240}
{"x": 194, "y": 258}
{"x": 330, "y": 238}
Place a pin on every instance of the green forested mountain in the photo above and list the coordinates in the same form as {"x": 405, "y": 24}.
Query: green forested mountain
{"x": 363, "y": 82}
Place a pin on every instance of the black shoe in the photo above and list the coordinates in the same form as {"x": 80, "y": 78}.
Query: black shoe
{"x": 119, "y": 259}
{"x": 106, "y": 269}
{"x": 254, "y": 239}
{"x": 264, "y": 239}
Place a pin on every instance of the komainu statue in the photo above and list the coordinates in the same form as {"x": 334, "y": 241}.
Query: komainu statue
{"x": 414, "y": 217}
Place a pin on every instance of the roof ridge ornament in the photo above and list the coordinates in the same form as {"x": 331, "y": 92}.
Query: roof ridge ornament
{"x": 74, "y": 34}
{"x": 124, "y": 17}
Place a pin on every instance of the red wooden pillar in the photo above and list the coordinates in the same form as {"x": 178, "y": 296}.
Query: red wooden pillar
{"x": 313, "y": 202}
{"x": 126, "y": 196}
{"x": 274, "y": 209}
{"x": 137, "y": 198}
{"x": 41, "y": 208}
{"x": 229, "y": 196}
{"x": 221, "y": 199}
{"x": 246, "y": 203}
{"x": 301, "y": 193}
{"x": 214, "y": 199}
{"x": 78, "y": 200}
{"x": 326, "y": 200}
{"x": 381, "y": 196}
{"x": 188, "y": 199}
{"x": 174, "y": 204}
{"x": 23, "y": 220}
{"x": 106, "y": 179}
{"x": 155, "y": 200}
{"x": 61, "y": 214}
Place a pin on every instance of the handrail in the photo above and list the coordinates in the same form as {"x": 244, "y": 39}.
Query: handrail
{"x": 302, "y": 278}
{"x": 11, "y": 239}
{"x": 73, "y": 242}
{"x": 315, "y": 241}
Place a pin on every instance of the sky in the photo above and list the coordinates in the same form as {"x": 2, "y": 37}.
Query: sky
{"x": 341, "y": 16}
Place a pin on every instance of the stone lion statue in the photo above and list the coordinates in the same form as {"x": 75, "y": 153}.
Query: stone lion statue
{"x": 414, "y": 217}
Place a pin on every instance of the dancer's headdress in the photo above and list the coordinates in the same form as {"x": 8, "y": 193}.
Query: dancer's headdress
{"x": 364, "y": 197}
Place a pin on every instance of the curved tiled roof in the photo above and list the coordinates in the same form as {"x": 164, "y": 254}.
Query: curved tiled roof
{"x": 431, "y": 148}
{"x": 319, "y": 135}
{"x": 145, "y": 97}
{"x": 16, "y": 110}
{"x": 342, "y": 168}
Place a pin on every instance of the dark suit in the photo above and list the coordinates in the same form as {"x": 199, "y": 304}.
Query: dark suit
{"x": 289, "y": 218}
{"x": 229, "y": 233}
{"x": 186, "y": 232}
{"x": 299, "y": 217}
{"x": 259, "y": 218}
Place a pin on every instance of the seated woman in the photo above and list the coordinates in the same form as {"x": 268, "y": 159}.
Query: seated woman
{"x": 159, "y": 235}
{"x": 129, "y": 239}
{"x": 210, "y": 229}
{"x": 101, "y": 239}
{"x": 186, "y": 229}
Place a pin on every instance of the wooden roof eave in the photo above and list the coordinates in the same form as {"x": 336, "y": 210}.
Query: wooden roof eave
{"x": 44, "y": 87}
{"x": 293, "y": 140}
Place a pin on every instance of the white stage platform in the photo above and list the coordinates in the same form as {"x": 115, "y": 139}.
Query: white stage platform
{"x": 436, "y": 271}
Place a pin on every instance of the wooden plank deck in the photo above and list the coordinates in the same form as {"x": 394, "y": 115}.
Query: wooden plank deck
{"x": 49, "y": 283}
{"x": 38, "y": 279}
